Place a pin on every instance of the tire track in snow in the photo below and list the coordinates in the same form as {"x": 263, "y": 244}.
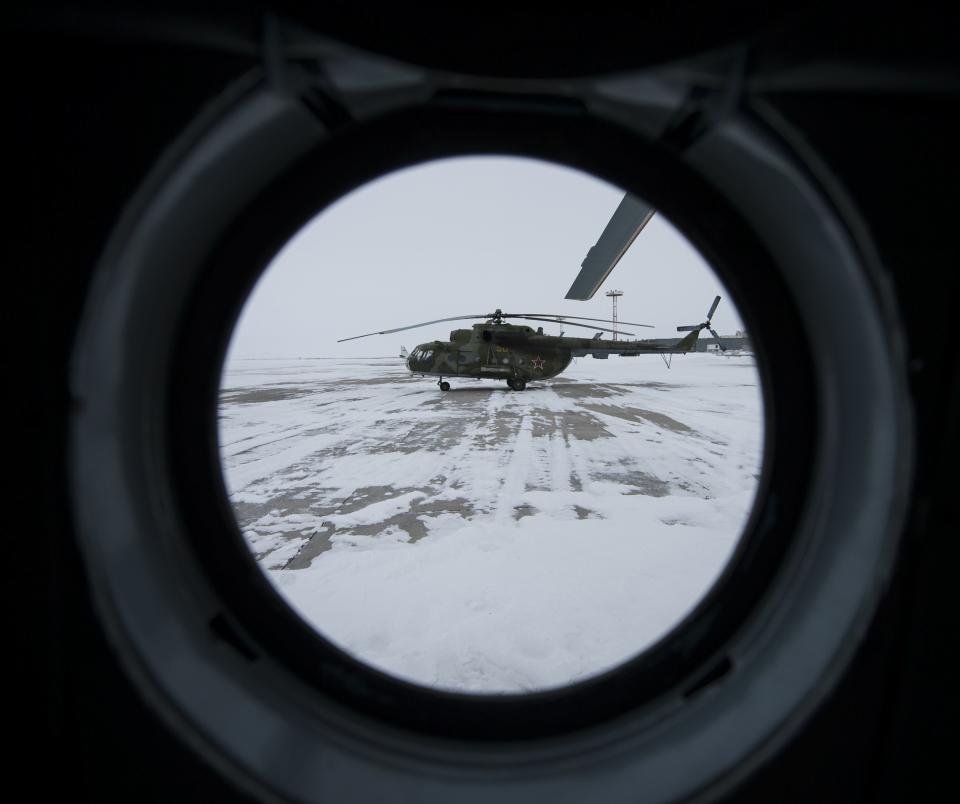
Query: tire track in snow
{"x": 482, "y": 459}
{"x": 457, "y": 467}
{"x": 311, "y": 439}
{"x": 557, "y": 450}
{"x": 514, "y": 482}
{"x": 518, "y": 460}
{"x": 265, "y": 440}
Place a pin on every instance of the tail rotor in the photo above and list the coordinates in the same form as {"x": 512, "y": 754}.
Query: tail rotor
{"x": 706, "y": 325}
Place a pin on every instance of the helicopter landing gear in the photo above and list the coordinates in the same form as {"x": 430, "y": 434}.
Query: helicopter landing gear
{"x": 444, "y": 386}
{"x": 516, "y": 384}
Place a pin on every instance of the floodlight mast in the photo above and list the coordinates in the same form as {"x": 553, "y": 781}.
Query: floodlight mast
{"x": 614, "y": 294}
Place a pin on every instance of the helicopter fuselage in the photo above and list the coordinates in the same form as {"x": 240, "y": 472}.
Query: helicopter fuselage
{"x": 519, "y": 354}
{"x": 492, "y": 351}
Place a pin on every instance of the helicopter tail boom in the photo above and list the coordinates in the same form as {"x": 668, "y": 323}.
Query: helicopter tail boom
{"x": 603, "y": 348}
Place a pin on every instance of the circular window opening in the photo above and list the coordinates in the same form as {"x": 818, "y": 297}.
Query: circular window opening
{"x": 529, "y": 490}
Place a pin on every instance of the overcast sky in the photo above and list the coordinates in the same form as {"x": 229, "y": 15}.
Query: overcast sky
{"x": 462, "y": 237}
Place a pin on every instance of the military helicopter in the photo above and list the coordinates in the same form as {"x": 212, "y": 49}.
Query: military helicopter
{"x": 518, "y": 354}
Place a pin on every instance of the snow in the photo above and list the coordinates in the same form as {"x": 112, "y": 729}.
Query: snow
{"x": 484, "y": 540}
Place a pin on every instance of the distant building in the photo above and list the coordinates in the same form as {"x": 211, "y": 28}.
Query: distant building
{"x": 730, "y": 343}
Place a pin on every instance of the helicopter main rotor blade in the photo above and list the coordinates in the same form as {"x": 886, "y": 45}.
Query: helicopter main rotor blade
{"x": 571, "y": 324}
{"x": 713, "y": 308}
{"x": 576, "y": 317}
{"x": 621, "y": 230}
{"x": 414, "y": 326}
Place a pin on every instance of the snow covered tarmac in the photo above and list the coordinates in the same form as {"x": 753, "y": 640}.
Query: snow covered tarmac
{"x": 488, "y": 540}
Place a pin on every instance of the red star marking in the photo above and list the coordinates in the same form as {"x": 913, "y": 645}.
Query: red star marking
{"x": 537, "y": 363}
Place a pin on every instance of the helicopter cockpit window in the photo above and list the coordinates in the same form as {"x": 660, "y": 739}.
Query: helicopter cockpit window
{"x": 549, "y": 510}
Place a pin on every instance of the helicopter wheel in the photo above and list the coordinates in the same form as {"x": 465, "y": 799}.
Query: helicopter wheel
{"x": 516, "y": 385}
{"x": 444, "y": 386}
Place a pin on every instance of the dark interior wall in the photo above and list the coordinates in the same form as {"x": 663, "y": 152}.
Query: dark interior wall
{"x": 89, "y": 113}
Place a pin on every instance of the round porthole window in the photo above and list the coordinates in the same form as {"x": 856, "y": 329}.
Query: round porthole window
{"x": 190, "y": 469}
{"x": 478, "y": 540}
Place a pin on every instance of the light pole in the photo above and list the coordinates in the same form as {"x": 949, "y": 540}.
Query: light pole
{"x": 614, "y": 294}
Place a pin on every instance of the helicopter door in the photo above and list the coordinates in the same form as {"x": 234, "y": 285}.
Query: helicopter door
{"x": 467, "y": 362}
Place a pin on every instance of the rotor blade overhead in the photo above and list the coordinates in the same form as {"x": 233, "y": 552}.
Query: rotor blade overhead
{"x": 497, "y": 316}
{"x": 690, "y": 328}
{"x": 713, "y": 308}
{"x": 571, "y": 324}
{"x": 414, "y": 326}
{"x": 562, "y": 317}
{"x": 621, "y": 230}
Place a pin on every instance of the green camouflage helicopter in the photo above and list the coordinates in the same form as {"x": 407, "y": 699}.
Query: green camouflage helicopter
{"x": 518, "y": 354}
